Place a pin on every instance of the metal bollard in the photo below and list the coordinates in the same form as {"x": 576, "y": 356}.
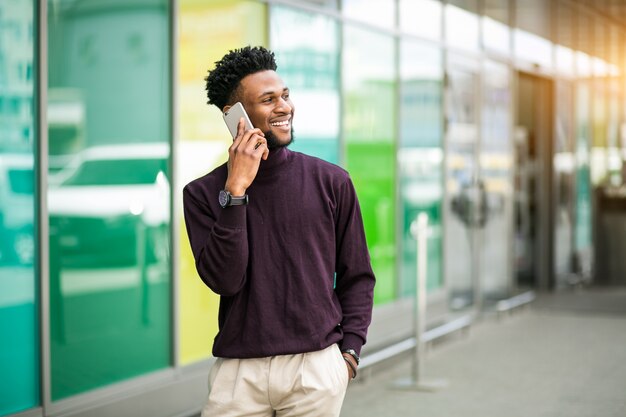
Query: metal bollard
{"x": 419, "y": 229}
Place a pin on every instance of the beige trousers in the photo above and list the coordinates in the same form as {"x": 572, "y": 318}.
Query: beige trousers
{"x": 304, "y": 385}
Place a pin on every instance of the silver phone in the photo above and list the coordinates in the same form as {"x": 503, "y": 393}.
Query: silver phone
{"x": 232, "y": 116}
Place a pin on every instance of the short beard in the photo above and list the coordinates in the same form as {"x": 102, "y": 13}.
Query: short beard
{"x": 272, "y": 140}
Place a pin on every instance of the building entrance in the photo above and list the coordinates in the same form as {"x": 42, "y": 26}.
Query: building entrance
{"x": 534, "y": 152}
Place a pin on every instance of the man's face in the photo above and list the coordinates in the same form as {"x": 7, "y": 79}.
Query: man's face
{"x": 267, "y": 102}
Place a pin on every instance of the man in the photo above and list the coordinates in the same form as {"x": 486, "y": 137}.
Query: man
{"x": 279, "y": 236}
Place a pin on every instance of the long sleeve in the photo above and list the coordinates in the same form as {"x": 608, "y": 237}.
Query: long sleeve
{"x": 355, "y": 278}
{"x": 292, "y": 267}
{"x": 219, "y": 242}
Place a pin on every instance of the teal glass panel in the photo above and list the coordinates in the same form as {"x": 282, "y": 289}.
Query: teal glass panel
{"x": 109, "y": 192}
{"x": 420, "y": 158}
{"x": 310, "y": 68}
{"x": 582, "y": 233}
{"x": 19, "y": 324}
{"x": 369, "y": 131}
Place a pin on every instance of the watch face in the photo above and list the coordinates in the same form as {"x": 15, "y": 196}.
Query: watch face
{"x": 223, "y": 198}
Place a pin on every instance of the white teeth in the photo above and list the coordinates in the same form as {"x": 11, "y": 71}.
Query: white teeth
{"x": 285, "y": 123}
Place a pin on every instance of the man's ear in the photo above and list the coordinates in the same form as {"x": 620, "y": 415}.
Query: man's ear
{"x": 226, "y": 108}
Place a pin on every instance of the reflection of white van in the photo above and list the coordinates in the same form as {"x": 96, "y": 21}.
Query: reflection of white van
{"x": 109, "y": 201}
{"x": 17, "y": 208}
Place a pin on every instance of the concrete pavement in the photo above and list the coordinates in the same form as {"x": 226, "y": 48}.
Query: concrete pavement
{"x": 564, "y": 355}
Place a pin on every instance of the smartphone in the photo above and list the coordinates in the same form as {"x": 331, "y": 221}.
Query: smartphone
{"x": 232, "y": 116}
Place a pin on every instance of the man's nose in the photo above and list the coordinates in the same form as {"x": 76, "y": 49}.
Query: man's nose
{"x": 283, "y": 106}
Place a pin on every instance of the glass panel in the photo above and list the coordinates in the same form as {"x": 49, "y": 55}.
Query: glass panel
{"x": 614, "y": 162}
{"x": 421, "y": 17}
{"x": 376, "y": 12}
{"x": 565, "y": 40}
{"x": 496, "y": 34}
{"x": 564, "y": 165}
{"x": 208, "y": 30}
{"x": 420, "y": 157}
{"x": 462, "y": 28}
{"x": 311, "y": 70}
{"x": 109, "y": 194}
{"x": 461, "y": 213}
{"x": 583, "y": 236}
{"x": 598, "y": 163}
{"x": 19, "y": 324}
{"x": 532, "y": 48}
{"x": 532, "y": 36}
{"x": 496, "y": 173}
{"x": 368, "y": 82}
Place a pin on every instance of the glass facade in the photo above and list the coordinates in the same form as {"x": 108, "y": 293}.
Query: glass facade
{"x": 19, "y": 297}
{"x": 109, "y": 192}
{"x": 443, "y": 107}
{"x": 207, "y": 31}
{"x": 369, "y": 131}
{"x": 421, "y": 17}
{"x": 463, "y": 204}
{"x": 311, "y": 70}
{"x": 496, "y": 177}
{"x": 420, "y": 158}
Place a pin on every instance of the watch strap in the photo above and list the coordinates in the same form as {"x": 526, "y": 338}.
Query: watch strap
{"x": 226, "y": 199}
{"x": 238, "y": 201}
{"x": 352, "y": 353}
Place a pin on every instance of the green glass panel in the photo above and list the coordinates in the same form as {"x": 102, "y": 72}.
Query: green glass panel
{"x": 369, "y": 123}
{"x": 19, "y": 328}
{"x": 311, "y": 71}
{"x": 420, "y": 157}
{"x": 109, "y": 193}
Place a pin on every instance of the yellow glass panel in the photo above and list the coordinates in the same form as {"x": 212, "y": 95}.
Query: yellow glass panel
{"x": 208, "y": 30}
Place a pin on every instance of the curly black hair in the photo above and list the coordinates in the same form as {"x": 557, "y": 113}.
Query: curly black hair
{"x": 223, "y": 80}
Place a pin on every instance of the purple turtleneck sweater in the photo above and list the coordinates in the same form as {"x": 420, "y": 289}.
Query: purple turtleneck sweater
{"x": 292, "y": 267}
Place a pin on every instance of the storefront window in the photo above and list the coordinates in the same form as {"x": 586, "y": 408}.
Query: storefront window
{"x": 19, "y": 324}
{"x": 109, "y": 192}
{"x": 311, "y": 71}
{"x": 462, "y": 26}
{"x": 496, "y": 186}
{"x": 208, "y": 30}
{"x": 376, "y": 12}
{"x": 420, "y": 158}
{"x": 369, "y": 130}
{"x": 496, "y": 34}
{"x": 421, "y": 17}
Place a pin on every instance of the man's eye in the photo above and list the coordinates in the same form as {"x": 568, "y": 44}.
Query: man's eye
{"x": 267, "y": 100}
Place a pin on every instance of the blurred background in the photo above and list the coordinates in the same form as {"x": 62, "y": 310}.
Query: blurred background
{"x": 503, "y": 120}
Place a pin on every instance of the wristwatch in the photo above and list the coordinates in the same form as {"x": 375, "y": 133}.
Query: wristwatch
{"x": 226, "y": 199}
{"x": 352, "y": 353}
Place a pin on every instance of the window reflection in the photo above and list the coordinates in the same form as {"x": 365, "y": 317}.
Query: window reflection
{"x": 421, "y": 17}
{"x": 461, "y": 28}
{"x": 19, "y": 367}
{"x": 312, "y": 73}
{"x": 420, "y": 157}
{"x": 108, "y": 196}
{"x": 496, "y": 36}
{"x": 533, "y": 48}
{"x": 368, "y": 82}
{"x": 377, "y": 12}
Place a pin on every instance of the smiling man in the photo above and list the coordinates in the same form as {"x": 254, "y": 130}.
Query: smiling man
{"x": 279, "y": 236}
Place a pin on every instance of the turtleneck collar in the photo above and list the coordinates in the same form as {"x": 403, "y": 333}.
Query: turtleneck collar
{"x": 276, "y": 158}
